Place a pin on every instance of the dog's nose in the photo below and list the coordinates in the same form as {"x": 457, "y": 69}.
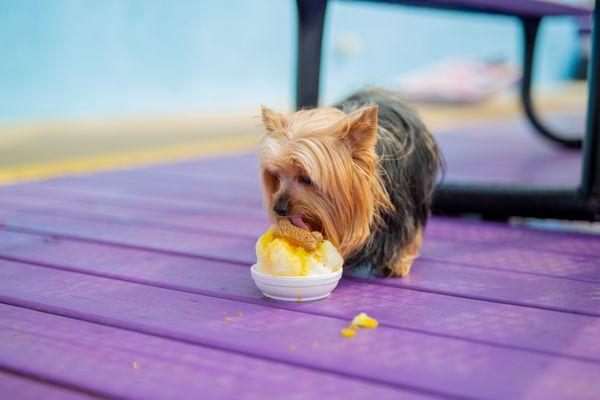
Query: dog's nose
{"x": 281, "y": 208}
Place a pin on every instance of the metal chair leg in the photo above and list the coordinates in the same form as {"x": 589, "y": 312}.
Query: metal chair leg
{"x": 311, "y": 18}
{"x": 590, "y": 180}
{"x": 530, "y": 30}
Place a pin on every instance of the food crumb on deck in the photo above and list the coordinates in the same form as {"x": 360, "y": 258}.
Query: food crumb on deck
{"x": 298, "y": 299}
{"x": 364, "y": 321}
{"x": 240, "y": 314}
{"x": 349, "y": 333}
{"x": 293, "y": 347}
{"x": 135, "y": 365}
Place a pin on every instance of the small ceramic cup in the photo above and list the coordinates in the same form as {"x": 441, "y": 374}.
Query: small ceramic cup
{"x": 295, "y": 288}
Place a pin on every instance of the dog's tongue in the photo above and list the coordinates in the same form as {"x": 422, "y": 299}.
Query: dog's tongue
{"x": 297, "y": 221}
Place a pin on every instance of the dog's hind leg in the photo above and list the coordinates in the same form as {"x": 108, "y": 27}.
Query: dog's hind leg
{"x": 408, "y": 256}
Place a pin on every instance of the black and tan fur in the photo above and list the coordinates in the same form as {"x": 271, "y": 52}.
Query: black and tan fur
{"x": 363, "y": 173}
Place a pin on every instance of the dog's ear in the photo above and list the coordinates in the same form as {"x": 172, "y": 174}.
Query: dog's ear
{"x": 272, "y": 120}
{"x": 361, "y": 130}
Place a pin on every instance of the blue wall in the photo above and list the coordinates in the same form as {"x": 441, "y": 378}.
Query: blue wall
{"x": 76, "y": 58}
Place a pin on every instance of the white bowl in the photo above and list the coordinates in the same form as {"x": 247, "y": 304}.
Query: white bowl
{"x": 295, "y": 288}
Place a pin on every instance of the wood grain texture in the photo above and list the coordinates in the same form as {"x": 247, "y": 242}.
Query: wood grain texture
{"x": 207, "y": 188}
{"x": 493, "y": 323}
{"x": 18, "y": 387}
{"x": 435, "y": 276}
{"x": 234, "y": 223}
{"x": 402, "y": 359}
{"x": 119, "y": 363}
{"x": 150, "y": 265}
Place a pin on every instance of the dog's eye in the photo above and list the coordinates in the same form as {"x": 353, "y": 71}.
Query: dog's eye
{"x": 305, "y": 180}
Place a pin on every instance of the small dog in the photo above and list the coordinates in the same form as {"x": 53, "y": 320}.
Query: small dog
{"x": 362, "y": 173}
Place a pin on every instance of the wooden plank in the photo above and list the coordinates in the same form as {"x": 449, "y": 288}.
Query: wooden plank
{"x": 229, "y": 223}
{"x": 105, "y": 198}
{"x": 578, "y": 297}
{"x": 249, "y": 175}
{"x": 497, "y": 233}
{"x": 234, "y": 224}
{"x": 384, "y": 355}
{"x": 230, "y": 165}
{"x": 247, "y": 178}
{"x": 124, "y": 364}
{"x": 511, "y": 258}
{"x": 203, "y": 245}
{"x": 502, "y": 286}
{"x": 215, "y": 190}
{"x": 493, "y": 323}
{"x": 16, "y": 387}
{"x": 443, "y": 228}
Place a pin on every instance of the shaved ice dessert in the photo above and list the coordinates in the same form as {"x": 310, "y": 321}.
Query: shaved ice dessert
{"x": 286, "y": 250}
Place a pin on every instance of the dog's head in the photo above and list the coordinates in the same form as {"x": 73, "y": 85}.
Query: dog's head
{"x": 318, "y": 170}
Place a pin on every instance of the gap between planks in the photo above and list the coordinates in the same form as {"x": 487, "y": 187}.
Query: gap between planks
{"x": 282, "y": 306}
{"x": 156, "y": 223}
{"x": 175, "y": 347}
{"x": 84, "y": 317}
{"x": 239, "y": 208}
{"x": 245, "y": 264}
{"x": 245, "y": 298}
{"x": 58, "y": 390}
{"x": 147, "y": 321}
{"x": 149, "y": 223}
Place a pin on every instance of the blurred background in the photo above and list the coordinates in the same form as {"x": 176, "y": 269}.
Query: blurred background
{"x": 91, "y": 85}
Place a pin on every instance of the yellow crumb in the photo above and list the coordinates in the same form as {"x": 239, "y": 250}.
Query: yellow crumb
{"x": 240, "y": 314}
{"x": 135, "y": 365}
{"x": 353, "y": 327}
{"x": 364, "y": 321}
{"x": 298, "y": 298}
{"x": 349, "y": 333}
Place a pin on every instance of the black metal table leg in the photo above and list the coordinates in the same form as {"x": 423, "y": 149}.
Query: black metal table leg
{"x": 530, "y": 30}
{"x": 590, "y": 180}
{"x": 491, "y": 201}
{"x": 311, "y": 18}
{"x": 503, "y": 201}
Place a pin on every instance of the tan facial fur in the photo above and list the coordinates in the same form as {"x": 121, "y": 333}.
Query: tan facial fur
{"x": 324, "y": 162}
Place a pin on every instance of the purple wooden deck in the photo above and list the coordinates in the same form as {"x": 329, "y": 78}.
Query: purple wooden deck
{"x": 119, "y": 285}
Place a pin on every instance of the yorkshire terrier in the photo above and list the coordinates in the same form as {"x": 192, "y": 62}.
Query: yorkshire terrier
{"x": 362, "y": 173}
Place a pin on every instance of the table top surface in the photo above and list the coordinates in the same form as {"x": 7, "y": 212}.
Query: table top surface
{"x": 517, "y": 8}
{"x": 136, "y": 284}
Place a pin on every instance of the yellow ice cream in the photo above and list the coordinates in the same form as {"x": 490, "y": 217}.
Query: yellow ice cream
{"x": 276, "y": 256}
